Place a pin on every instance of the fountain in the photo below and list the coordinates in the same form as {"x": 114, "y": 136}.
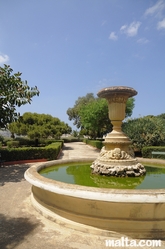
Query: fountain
{"x": 117, "y": 157}
{"x": 139, "y": 213}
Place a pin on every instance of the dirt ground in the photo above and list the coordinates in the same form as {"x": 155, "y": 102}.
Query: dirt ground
{"x": 22, "y": 227}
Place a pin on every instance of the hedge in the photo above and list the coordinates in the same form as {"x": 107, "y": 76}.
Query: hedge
{"x": 49, "y": 152}
{"x": 12, "y": 144}
{"x": 147, "y": 151}
{"x": 24, "y": 141}
{"x": 95, "y": 143}
{"x": 50, "y": 141}
{"x": 72, "y": 139}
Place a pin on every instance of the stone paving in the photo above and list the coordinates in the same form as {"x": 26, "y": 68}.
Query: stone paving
{"x": 78, "y": 150}
{"x": 22, "y": 227}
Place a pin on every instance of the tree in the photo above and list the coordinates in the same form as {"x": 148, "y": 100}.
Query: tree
{"x": 91, "y": 115}
{"x": 146, "y": 131}
{"x": 73, "y": 113}
{"x": 129, "y": 107}
{"x": 94, "y": 118}
{"x": 13, "y": 93}
{"x": 36, "y": 125}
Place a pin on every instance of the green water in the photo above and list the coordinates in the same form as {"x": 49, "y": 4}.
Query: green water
{"x": 80, "y": 174}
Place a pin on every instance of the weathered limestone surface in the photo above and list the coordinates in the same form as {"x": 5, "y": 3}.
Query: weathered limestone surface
{"x": 117, "y": 163}
{"x": 116, "y": 157}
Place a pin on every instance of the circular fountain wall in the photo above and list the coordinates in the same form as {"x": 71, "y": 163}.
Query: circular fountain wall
{"x": 136, "y": 213}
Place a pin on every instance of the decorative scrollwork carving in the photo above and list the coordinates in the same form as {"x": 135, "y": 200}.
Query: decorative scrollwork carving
{"x": 117, "y": 99}
{"x": 115, "y": 154}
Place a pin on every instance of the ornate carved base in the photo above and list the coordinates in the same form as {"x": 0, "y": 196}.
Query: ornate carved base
{"x": 117, "y": 163}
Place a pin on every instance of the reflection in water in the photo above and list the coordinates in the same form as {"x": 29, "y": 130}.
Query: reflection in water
{"x": 80, "y": 174}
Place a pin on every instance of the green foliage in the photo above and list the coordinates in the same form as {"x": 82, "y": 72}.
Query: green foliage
{"x": 71, "y": 139}
{"x": 129, "y": 107}
{"x": 5, "y": 140}
{"x": 13, "y": 93}
{"x": 73, "y": 113}
{"x": 91, "y": 115}
{"x": 36, "y": 125}
{"x": 13, "y": 144}
{"x": 95, "y": 143}
{"x": 1, "y": 138}
{"x": 145, "y": 131}
{"x": 75, "y": 133}
{"x": 51, "y": 141}
{"x": 1, "y": 141}
{"x": 52, "y": 150}
{"x": 24, "y": 141}
{"x": 49, "y": 152}
{"x": 94, "y": 118}
{"x": 147, "y": 151}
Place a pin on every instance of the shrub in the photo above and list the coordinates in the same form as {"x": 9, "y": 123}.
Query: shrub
{"x": 6, "y": 139}
{"x": 50, "y": 141}
{"x": 52, "y": 150}
{"x": 95, "y": 143}
{"x": 145, "y": 131}
{"x": 12, "y": 144}
{"x": 147, "y": 151}
{"x": 49, "y": 152}
{"x": 1, "y": 138}
{"x": 71, "y": 139}
{"x": 24, "y": 141}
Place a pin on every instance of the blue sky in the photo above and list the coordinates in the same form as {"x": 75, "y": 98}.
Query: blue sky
{"x": 69, "y": 48}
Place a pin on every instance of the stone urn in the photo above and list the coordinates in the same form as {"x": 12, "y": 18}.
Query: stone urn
{"x": 117, "y": 157}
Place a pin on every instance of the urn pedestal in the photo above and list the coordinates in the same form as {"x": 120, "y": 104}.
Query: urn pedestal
{"x": 117, "y": 157}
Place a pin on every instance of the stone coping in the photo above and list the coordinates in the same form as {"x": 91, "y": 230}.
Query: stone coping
{"x": 103, "y": 194}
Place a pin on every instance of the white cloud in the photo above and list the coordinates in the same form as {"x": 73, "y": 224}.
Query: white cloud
{"x": 142, "y": 41}
{"x": 123, "y": 27}
{"x": 103, "y": 22}
{"x": 161, "y": 24}
{"x": 156, "y": 9}
{"x": 3, "y": 58}
{"x": 130, "y": 30}
{"x": 113, "y": 36}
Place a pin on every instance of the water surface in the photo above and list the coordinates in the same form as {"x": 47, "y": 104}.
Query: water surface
{"x": 80, "y": 174}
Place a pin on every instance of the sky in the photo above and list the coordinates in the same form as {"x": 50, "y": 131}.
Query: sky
{"x": 69, "y": 48}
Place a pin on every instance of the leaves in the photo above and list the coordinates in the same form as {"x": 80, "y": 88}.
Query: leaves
{"x": 146, "y": 131}
{"x": 36, "y": 125}
{"x": 13, "y": 93}
{"x": 91, "y": 115}
{"x": 74, "y": 114}
{"x": 94, "y": 118}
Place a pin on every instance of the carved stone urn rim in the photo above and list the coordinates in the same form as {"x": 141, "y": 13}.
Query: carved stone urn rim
{"x": 117, "y": 90}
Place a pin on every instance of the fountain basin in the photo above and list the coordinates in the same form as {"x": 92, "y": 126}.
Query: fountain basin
{"x": 135, "y": 213}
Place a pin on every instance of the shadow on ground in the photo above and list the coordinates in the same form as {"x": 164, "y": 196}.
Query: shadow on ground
{"x": 67, "y": 148}
{"x": 62, "y": 153}
{"x": 12, "y": 173}
{"x": 14, "y": 230}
